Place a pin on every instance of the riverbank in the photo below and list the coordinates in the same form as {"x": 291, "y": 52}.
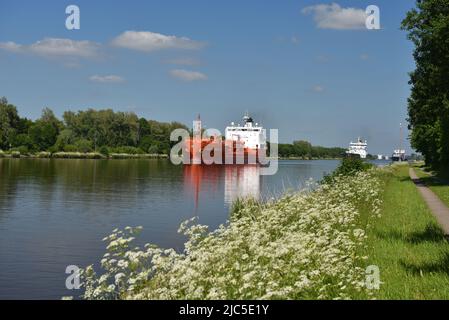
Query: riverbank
{"x": 80, "y": 155}
{"x": 307, "y": 158}
{"x": 308, "y": 245}
{"x": 407, "y": 244}
{"x": 436, "y": 183}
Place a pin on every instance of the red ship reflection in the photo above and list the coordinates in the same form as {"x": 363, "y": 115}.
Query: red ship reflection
{"x": 237, "y": 181}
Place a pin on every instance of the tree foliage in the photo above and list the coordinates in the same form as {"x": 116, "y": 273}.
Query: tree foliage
{"x": 305, "y": 150}
{"x": 84, "y": 131}
{"x": 428, "y": 105}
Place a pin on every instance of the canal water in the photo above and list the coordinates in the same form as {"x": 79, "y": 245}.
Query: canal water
{"x": 54, "y": 213}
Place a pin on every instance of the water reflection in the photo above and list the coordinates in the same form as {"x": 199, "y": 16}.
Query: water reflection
{"x": 55, "y": 212}
{"x": 241, "y": 182}
{"x": 236, "y": 181}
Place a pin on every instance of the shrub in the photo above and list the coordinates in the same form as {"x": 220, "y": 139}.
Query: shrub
{"x": 104, "y": 150}
{"x": 83, "y": 145}
{"x": 15, "y": 154}
{"x": 21, "y": 150}
{"x": 70, "y": 148}
{"x": 23, "y": 140}
{"x": 43, "y": 154}
{"x": 127, "y": 150}
{"x": 77, "y": 155}
{"x": 53, "y": 149}
{"x": 348, "y": 167}
{"x": 153, "y": 149}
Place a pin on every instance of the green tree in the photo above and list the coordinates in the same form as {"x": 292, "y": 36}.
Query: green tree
{"x": 9, "y": 122}
{"x": 428, "y": 105}
{"x": 83, "y": 145}
{"x": 302, "y": 148}
{"x": 65, "y": 137}
{"x": 45, "y": 130}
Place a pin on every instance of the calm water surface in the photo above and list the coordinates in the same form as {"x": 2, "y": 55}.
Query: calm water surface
{"x": 54, "y": 213}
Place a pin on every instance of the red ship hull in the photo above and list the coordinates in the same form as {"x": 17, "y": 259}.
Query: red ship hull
{"x": 204, "y": 151}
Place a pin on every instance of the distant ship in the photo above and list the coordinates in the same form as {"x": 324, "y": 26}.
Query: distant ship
{"x": 242, "y": 144}
{"x": 357, "y": 149}
{"x": 399, "y": 154}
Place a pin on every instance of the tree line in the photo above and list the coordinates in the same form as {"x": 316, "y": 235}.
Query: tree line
{"x": 107, "y": 131}
{"x": 428, "y": 105}
{"x": 305, "y": 150}
{"x": 84, "y": 131}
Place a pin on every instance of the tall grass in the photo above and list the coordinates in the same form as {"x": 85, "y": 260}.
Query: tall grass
{"x": 408, "y": 245}
{"x": 307, "y": 245}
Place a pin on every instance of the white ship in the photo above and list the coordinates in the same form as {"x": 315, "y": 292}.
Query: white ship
{"x": 358, "y": 149}
{"x": 398, "y": 155}
{"x": 250, "y": 134}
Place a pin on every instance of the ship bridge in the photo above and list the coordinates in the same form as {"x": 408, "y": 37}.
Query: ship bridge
{"x": 252, "y": 135}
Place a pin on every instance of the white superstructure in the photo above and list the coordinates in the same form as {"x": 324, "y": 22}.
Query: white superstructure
{"x": 250, "y": 134}
{"x": 398, "y": 155}
{"x": 358, "y": 148}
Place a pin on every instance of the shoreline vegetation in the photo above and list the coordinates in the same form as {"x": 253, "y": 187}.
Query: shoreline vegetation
{"x": 80, "y": 155}
{"x": 314, "y": 244}
{"x": 304, "y": 245}
{"x": 104, "y": 132}
{"x": 98, "y": 155}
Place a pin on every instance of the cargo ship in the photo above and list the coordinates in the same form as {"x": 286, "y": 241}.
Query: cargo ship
{"x": 242, "y": 144}
{"x": 399, "y": 154}
{"x": 357, "y": 149}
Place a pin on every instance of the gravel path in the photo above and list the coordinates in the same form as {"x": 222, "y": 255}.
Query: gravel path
{"x": 438, "y": 207}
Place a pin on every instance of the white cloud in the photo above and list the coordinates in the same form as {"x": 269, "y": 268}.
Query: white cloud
{"x": 184, "y": 61}
{"x": 364, "y": 56}
{"x": 106, "y": 79}
{"x": 55, "y": 47}
{"x": 333, "y": 16}
{"x": 10, "y": 46}
{"x": 186, "y": 75}
{"x": 318, "y": 88}
{"x": 151, "y": 41}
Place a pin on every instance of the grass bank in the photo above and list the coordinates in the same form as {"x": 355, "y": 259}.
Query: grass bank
{"x": 436, "y": 183}
{"x": 81, "y": 155}
{"x": 307, "y": 245}
{"x": 407, "y": 244}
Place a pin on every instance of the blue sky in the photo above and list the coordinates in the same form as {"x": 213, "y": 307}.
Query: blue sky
{"x": 314, "y": 74}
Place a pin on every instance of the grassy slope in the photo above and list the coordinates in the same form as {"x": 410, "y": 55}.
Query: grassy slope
{"x": 408, "y": 245}
{"x": 437, "y": 185}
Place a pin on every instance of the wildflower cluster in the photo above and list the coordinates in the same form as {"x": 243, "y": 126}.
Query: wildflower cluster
{"x": 302, "y": 246}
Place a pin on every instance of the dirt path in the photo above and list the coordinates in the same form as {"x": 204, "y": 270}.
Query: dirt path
{"x": 438, "y": 208}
